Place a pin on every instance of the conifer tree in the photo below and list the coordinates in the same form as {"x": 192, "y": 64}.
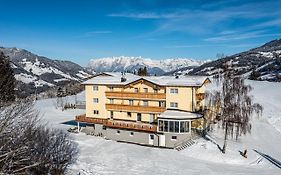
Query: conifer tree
{"x": 7, "y": 80}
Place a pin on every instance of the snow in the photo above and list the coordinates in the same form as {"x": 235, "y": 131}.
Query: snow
{"x": 115, "y": 79}
{"x": 172, "y": 114}
{"x": 124, "y": 62}
{"x": 61, "y": 79}
{"x": 31, "y": 79}
{"x": 25, "y": 78}
{"x": 266, "y": 54}
{"x": 100, "y": 156}
{"x": 83, "y": 74}
{"x": 39, "y": 68}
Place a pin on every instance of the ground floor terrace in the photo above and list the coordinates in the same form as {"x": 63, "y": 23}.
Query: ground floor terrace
{"x": 172, "y": 129}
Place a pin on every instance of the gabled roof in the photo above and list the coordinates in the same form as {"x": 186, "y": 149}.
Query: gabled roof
{"x": 114, "y": 78}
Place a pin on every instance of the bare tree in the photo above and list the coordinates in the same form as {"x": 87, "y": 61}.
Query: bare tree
{"x": 28, "y": 147}
{"x": 232, "y": 106}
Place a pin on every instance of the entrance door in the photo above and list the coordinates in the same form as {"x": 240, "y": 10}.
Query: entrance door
{"x": 162, "y": 140}
{"x": 151, "y": 139}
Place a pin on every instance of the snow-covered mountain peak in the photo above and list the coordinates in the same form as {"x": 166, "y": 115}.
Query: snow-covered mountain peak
{"x": 125, "y": 63}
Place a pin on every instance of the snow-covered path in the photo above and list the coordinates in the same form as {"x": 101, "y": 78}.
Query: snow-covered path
{"x": 99, "y": 156}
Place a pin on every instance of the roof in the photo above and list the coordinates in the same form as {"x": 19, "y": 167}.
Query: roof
{"x": 114, "y": 78}
{"x": 177, "y": 114}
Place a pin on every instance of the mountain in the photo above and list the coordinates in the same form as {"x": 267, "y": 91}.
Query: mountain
{"x": 38, "y": 73}
{"x": 261, "y": 63}
{"x": 123, "y": 63}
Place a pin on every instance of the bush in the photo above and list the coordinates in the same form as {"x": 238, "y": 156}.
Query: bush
{"x": 28, "y": 147}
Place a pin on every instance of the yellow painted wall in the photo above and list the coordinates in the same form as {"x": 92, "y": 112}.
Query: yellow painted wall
{"x": 183, "y": 98}
{"x": 91, "y": 106}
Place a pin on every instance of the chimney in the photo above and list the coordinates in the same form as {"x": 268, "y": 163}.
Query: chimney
{"x": 123, "y": 77}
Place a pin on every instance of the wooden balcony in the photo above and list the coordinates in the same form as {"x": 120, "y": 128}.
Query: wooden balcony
{"x": 83, "y": 118}
{"x": 200, "y": 96}
{"x": 132, "y": 125}
{"x": 118, "y": 124}
{"x": 134, "y": 108}
{"x": 133, "y": 95}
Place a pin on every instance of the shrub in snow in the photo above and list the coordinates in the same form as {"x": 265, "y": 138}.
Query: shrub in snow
{"x": 28, "y": 147}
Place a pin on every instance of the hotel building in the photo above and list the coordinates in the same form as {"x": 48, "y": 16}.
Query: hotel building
{"x": 162, "y": 111}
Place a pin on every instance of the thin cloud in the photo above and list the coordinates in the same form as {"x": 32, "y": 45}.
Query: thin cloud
{"x": 147, "y": 15}
{"x": 269, "y": 23}
{"x": 94, "y": 33}
{"x": 189, "y": 46}
{"x": 242, "y": 36}
{"x": 212, "y": 45}
{"x": 206, "y": 20}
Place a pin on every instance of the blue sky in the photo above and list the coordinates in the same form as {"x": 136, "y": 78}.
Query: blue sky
{"x": 81, "y": 30}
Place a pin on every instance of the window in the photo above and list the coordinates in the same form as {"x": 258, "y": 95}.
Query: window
{"x": 171, "y": 126}
{"x": 145, "y": 103}
{"x": 129, "y": 114}
{"x": 96, "y": 100}
{"x": 174, "y": 91}
{"x": 177, "y": 126}
{"x": 131, "y": 102}
{"x": 132, "y": 134}
{"x": 111, "y": 88}
{"x": 174, "y": 137}
{"x": 136, "y": 90}
{"x": 145, "y": 90}
{"x": 95, "y": 88}
{"x": 118, "y": 132}
{"x": 139, "y": 117}
{"x": 96, "y": 112}
{"x": 151, "y": 137}
{"x": 160, "y": 125}
{"x": 162, "y": 104}
{"x": 165, "y": 126}
{"x": 155, "y": 91}
{"x": 151, "y": 118}
{"x": 184, "y": 126}
{"x": 111, "y": 101}
{"x": 173, "y": 105}
{"x": 111, "y": 114}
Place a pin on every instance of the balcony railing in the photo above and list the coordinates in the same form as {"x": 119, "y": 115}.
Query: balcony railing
{"x": 134, "y": 108}
{"x": 83, "y": 118}
{"x": 133, "y": 95}
{"x": 118, "y": 124}
{"x": 132, "y": 125}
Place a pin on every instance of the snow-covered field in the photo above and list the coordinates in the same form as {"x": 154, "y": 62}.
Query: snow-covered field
{"x": 99, "y": 156}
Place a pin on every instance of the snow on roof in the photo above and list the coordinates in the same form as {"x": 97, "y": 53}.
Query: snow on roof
{"x": 176, "y": 114}
{"x": 114, "y": 78}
